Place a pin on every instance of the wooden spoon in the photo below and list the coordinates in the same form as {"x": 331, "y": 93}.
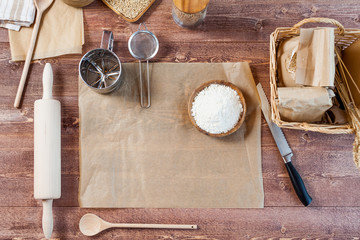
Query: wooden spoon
{"x": 90, "y": 225}
{"x": 41, "y": 6}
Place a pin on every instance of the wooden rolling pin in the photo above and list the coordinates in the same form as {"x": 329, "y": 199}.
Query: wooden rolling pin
{"x": 47, "y": 150}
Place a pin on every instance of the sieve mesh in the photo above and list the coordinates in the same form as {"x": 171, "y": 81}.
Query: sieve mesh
{"x": 143, "y": 45}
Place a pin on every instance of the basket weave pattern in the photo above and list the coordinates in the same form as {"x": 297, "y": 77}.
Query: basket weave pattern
{"x": 343, "y": 39}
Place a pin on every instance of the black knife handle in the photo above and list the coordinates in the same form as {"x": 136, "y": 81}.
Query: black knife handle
{"x": 298, "y": 184}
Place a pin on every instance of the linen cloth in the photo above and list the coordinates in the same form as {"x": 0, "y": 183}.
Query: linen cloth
{"x": 16, "y": 13}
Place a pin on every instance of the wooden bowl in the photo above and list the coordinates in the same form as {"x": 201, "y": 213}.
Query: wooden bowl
{"x": 221, "y": 82}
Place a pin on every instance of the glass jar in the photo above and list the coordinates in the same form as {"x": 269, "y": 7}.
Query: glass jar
{"x": 189, "y": 13}
{"x": 78, "y": 3}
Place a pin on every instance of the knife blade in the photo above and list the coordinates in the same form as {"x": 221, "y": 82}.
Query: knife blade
{"x": 284, "y": 149}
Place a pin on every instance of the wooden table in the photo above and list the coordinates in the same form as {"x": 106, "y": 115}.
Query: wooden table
{"x": 233, "y": 31}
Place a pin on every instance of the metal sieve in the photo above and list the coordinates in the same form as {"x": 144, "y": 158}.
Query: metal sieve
{"x": 143, "y": 45}
{"x": 100, "y": 68}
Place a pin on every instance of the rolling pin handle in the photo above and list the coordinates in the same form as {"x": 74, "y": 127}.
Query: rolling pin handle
{"x": 47, "y": 218}
{"x": 47, "y": 81}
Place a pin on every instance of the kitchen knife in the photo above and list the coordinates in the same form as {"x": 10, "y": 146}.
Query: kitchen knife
{"x": 284, "y": 149}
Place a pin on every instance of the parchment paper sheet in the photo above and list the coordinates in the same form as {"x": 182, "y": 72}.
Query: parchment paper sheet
{"x": 154, "y": 158}
{"x": 61, "y": 32}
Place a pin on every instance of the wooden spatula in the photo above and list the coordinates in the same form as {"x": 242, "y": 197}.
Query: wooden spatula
{"x": 41, "y": 6}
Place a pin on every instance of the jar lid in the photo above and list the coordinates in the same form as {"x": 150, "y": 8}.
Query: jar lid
{"x": 191, "y": 6}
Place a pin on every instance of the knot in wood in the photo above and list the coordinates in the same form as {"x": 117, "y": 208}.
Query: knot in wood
{"x": 314, "y": 9}
{"x": 283, "y": 10}
{"x": 259, "y": 25}
{"x": 180, "y": 57}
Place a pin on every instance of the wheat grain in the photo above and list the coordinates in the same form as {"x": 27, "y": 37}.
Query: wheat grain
{"x": 129, "y": 8}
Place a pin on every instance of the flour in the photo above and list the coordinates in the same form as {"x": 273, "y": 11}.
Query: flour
{"x": 217, "y": 109}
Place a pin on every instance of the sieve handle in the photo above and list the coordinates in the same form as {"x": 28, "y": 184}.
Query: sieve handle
{"x": 142, "y": 86}
{"x": 148, "y": 84}
{"x": 107, "y": 38}
{"x": 321, "y": 20}
{"x": 142, "y": 24}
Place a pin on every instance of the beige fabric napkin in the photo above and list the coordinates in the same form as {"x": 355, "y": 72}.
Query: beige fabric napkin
{"x": 61, "y": 32}
{"x": 16, "y": 13}
{"x": 133, "y": 157}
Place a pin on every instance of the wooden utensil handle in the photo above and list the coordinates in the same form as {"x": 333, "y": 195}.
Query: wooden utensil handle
{"x": 47, "y": 218}
{"x": 28, "y": 60}
{"x": 47, "y": 81}
{"x": 154, "y": 226}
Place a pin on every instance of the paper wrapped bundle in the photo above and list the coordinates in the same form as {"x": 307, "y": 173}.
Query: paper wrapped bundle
{"x": 308, "y": 59}
{"x": 286, "y": 57}
{"x": 304, "y": 104}
{"x": 315, "y": 62}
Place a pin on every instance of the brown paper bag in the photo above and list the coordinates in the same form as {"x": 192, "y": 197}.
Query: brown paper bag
{"x": 133, "y": 157}
{"x": 287, "y": 54}
{"x": 303, "y": 104}
{"x": 315, "y": 62}
{"x": 351, "y": 58}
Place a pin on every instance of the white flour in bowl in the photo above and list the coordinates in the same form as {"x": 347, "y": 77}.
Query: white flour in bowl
{"x": 217, "y": 109}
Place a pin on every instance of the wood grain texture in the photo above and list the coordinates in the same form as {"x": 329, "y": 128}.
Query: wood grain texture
{"x": 270, "y": 222}
{"x": 233, "y": 31}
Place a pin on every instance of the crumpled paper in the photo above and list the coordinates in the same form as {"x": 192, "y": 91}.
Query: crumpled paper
{"x": 154, "y": 158}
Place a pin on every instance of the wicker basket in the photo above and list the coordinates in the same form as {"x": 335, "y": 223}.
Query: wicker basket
{"x": 343, "y": 39}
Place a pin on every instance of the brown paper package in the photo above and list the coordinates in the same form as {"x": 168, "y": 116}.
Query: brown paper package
{"x": 303, "y": 104}
{"x": 286, "y": 60}
{"x": 351, "y": 58}
{"x": 154, "y": 158}
{"x": 315, "y": 61}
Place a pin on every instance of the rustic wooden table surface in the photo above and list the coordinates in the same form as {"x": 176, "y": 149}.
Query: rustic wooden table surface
{"x": 233, "y": 31}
